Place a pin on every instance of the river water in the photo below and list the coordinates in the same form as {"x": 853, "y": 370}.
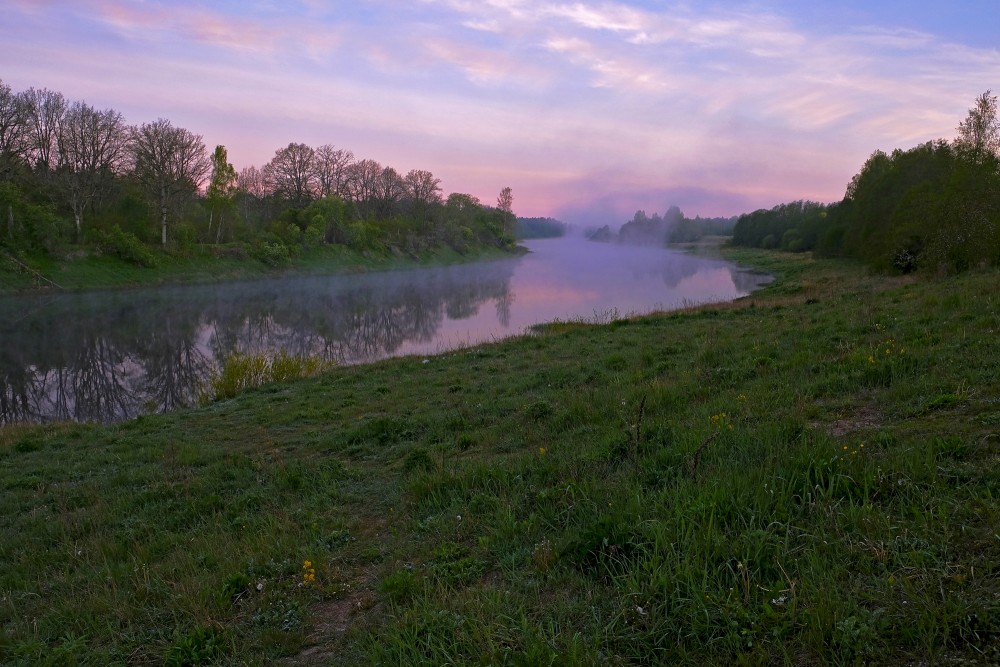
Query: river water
{"x": 111, "y": 355}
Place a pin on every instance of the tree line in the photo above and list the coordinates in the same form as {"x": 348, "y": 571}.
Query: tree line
{"x": 671, "y": 227}
{"x": 934, "y": 207}
{"x": 73, "y": 174}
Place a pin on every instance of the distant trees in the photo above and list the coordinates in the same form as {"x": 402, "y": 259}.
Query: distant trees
{"x": 935, "y": 206}
{"x": 795, "y": 226}
{"x": 539, "y": 228}
{"x": 71, "y": 173}
{"x": 671, "y": 227}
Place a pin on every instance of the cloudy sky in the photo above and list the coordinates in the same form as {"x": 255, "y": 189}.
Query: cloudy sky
{"x": 588, "y": 110}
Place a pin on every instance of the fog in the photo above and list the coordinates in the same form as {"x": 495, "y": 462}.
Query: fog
{"x": 106, "y": 356}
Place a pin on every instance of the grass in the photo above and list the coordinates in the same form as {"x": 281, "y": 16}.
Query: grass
{"x": 807, "y": 477}
{"x": 205, "y": 264}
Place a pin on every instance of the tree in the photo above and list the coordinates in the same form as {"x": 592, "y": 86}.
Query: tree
{"x": 46, "y": 111}
{"x": 332, "y": 170}
{"x": 422, "y": 187}
{"x": 291, "y": 173}
{"x": 251, "y": 188}
{"x": 505, "y": 203}
{"x": 171, "y": 163}
{"x": 14, "y": 130}
{"x": 364, "y": 182}
{"x": 389, "y": 192}
{"x": 91, "y": 146}
{"x": 220, "y": 191}
{"x": 979, "y": 134}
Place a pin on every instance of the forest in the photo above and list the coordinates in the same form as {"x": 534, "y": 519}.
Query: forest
{"x": 934, "y": 207}
{"x": 75, "y": 179}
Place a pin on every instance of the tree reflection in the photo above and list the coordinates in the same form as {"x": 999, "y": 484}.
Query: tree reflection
{"x": 110, "y": 356}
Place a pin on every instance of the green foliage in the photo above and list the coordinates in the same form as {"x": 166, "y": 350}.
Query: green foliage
{"x": 272, "y": 253}
{"x": 126, "y": 246}
{"x": 201, "y": 646}
{"x": 28, "y": 226}
{"x": 795, "y": 227}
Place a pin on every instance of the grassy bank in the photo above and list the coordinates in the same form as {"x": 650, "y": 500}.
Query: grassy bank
{"x": 807, "y": 476}
{"x": 87, "y": 269}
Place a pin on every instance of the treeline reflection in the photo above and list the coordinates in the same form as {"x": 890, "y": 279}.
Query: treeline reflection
{"x": 110, "y": 356}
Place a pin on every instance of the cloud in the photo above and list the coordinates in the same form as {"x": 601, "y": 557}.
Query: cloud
{"x": 580, "y": 106}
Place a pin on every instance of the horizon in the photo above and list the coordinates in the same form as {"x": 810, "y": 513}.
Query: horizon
{"x": 589, "y": 111}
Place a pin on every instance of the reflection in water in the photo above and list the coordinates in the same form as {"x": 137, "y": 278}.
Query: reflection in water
{"x": 107, "y": 356}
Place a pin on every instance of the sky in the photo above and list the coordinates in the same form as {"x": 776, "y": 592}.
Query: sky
{"x": 589, "y": 111}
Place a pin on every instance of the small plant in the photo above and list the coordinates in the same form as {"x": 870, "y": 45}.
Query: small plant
{"x": 400, "y": 586}
{"x": 200, "y": 646}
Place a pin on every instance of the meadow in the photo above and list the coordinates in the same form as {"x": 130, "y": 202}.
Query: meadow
{"x": 807, "y": 476}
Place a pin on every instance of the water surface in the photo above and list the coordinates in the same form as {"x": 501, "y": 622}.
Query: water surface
{"x": 107, "y": 356}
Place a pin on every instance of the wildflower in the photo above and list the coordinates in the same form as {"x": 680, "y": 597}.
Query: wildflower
{"x": 541, "y": 450}
{"x": 308, "y": 573}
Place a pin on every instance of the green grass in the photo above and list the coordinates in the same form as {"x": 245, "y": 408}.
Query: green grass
{"x": 807, "y": 476}
{"x": 84, "y": 269}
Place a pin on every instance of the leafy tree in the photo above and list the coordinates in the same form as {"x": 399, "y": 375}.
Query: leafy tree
{"x": 221, "y": 188}
{"x": 979, "y": 134}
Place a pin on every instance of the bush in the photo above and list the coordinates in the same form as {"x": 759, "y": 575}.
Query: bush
{"x": 275, "y": 255}
{"x": 125, "y": 246}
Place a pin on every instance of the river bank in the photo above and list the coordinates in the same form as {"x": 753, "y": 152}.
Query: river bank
{"x": 805, "y": 476}
{"x": 86, "y": 269}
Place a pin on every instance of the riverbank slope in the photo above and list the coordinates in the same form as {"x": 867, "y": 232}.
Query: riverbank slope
{"x": 87, "y": 269}
{"x": 806, "y": 476}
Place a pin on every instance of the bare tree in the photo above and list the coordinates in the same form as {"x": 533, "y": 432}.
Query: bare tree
{"x": 291, "y": 173}
{"x": 389, "y": 192}
{"x": 251, "y": 191}
{"x": 422, "y": 187}
{"x": 92, "y": 148}
{"x": 364, "y": 185}
{"x": 14, "y": 130}
{"x": 979, "y": 133}
{"x": 47, "y": 109}
{"x": 171, "y": 163}
{"x": 332, "y": 170}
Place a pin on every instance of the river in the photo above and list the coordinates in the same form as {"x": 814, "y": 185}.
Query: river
{"x": 111, "y": 355}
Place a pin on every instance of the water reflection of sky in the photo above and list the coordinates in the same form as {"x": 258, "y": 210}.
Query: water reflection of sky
{"x": 103, "y": 356}
{"x": 573, "y": 279}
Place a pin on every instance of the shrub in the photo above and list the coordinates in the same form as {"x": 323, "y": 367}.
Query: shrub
{"x": 126, "y": 246}
{"x": 275, "y": 255}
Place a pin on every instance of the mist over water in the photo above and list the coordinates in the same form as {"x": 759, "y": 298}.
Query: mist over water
{"x": 107, "y": 356}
